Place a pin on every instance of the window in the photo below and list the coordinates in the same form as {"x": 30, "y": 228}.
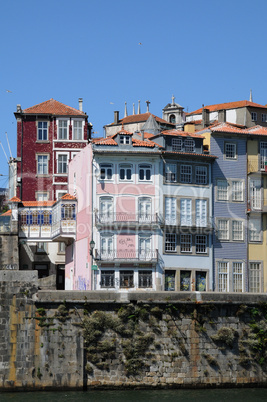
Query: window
{"x": 77, "y": 129}
{"x": 186, "y": 212}
{"x": 42, "y": 131}
{"x": 106, "y": 209}
{"x": 62, "y": 129}
{"x": 42, "y": 196}
{"x": 186, "y": 243}
{"x": 170, "y": 211}
{"x": 237, "y": 230}
{"x": 144, "y": 172}
{"x": 254, "y": 229}
{"x": 170, "y": 173}
{"x": 255, "y": 193}
{"x": 125, "y": 172}
{"x": 46, "y": 218}
{"x": 223, "y": 229}
{"x": 107, "y": 279}
{"x": 253, "y": 116}
{"x": 60, "y": 194}
{"x": 68, "y": 212}
{"x": 264, "y": 117}
{"x": 222, "y": 190}
{"x": 125, "y": 139}
{"x": 237, "y": 276}
{"x": 201, "y": 281}
{"x": 170, "y": 242}
{"x": 170, "y": 280}
{"x": 61, "y": 247}
{"x": 201, "y": 175}
{"x": 42, "y": 164}
{"x": 263, "y": 155}
{"x": 189, "y": 145}
{"x": 172, "y": 119}
{"x": 201, "y": 244}
{"x": 106, "y": 171}
{"x": 177, "y": 144}
{"x": 201, "y": 213}
{"x": 255, "y": 277}
{"x": 185, "y": 280}
{"x": 223, "y": 276}
{"x": 126, "y": 279}
{"x": 145, "y": 279}
{"x": 237, "y": 191}
{"x": 107, "y": 247}
{"x": 62, "y": 164}
{"x": 144, "y": 209}
{"x": 41, "y": 247}
{"x": 230, "y": 150}
{"x": 145, "y": 247}
{"x": 186, "y": 174}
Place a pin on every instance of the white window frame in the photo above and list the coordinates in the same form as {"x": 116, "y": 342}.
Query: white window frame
{"x": 223, "y": 276}
{"x": 223, "y": 232}
{"x": 186, "y": 242}
{"x": 127, "y": 167}
{"x": 144, "y": 209}
{"x": 238, "y": 276}
{"x": 201, "y": 207}
{"x": 189, "y": 145}
{"x": 186, "y": 174}
{"x": 229, "y": 150}
{"x": 255, "y": 194}
{"x": 43, "y": 131}
{"x": 145, "y": 246}
{"x": 186, "y": 211}
{"x": 201, "y": 244}
{"x": 255, "y": 274}
{"x": 106, "y": 208}
{"x": 254, "y": 116}
{"x": 77, "y": 132}
{"x": 170, "y": 210}
{"x": 107, "y": 252}
{"x": 42, "y": 166}
{"x": 61, "y": 129}
{"x": 237, "y": 230}
{"x": 255, "y": 230}
{"x": 237, "y": 191}
{"x": 42, "y": 195}
{"x": 264, "y": 117}
{"x": 58, "y": 192}
{"x": 263, "y": 155}
{"x": 170, "y": 245}
{"x": 61, "y": 164}
{"x": 222, "y": 190}
{"x": 125, "y": 139}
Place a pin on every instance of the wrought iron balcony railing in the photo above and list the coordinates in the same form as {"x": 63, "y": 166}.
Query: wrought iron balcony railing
{"x": 127, "y": 255}
{"x": 125, "y": 218}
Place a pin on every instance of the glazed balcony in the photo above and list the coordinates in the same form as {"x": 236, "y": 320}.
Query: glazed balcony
{"x": 202, "y": 225}
{"x": 135, "y": 257}
{"x": 121, "y": 219}
{"x": 257, "y": 205}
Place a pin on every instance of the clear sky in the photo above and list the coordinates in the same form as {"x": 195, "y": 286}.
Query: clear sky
{"x": 203, "y": 52}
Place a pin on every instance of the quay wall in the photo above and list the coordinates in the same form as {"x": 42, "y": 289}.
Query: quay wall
{"x": 91, "y": 339}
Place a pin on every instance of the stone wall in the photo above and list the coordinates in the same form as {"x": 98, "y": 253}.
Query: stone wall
{"x": 79, "y": 340}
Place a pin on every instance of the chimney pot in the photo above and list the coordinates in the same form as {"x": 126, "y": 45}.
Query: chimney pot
{"x": 80, "y": 104}
{"x": 18, "y": 108}
{"x": 116, "y": 117}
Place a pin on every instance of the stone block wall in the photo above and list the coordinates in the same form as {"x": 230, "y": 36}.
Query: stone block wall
{"x": 79, "y": 340}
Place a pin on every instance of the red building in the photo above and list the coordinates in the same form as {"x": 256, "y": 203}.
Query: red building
{"x": 49, "y": 135}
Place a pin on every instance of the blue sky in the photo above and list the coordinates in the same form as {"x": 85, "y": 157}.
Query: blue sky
{"x": 202, "y": 52}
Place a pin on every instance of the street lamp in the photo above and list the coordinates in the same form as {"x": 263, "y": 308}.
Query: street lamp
{"x": 92, "y": 246}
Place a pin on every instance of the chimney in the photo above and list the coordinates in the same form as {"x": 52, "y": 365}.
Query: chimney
{"x": 18, "y": 108}
{"x": 125, "y": 110}
{"x": 147, "y": 106}
{"x": 222, "y": 116}
{"x": 139, "y": 109}
{"x": 205, "y": 117}
{"x": 80, "y": 104}
{"x": 116, "y": 117}
{"x": 142, "y": 135}
{"x": 133, "y": 109}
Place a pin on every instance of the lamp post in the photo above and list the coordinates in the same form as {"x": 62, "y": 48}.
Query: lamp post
{"x": 92, "y": 246}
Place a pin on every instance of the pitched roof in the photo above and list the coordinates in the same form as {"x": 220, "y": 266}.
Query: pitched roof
{"x": 257, "y": 130}
{"x": 7, "y": 213}
{"x": 234, "y": 129}
{"x": 180, "y": 133}
{"x": 68, "y": 197}
{"x": 142, "y": 117}
{"x": 38, "y": 203}
{"x": 54, "y": 107}
{"x": 228, "y": 105}
{"x": 15, "y": 199}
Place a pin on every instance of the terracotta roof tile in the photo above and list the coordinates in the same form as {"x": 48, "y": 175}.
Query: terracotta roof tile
{"x": 54, "y": 107}
{"x": 15, "y": 199}
{"x": 38, "y": 203}
{"x": 135, "y": 118}
{"x": 68, "y": 197}
{"x": 105, "y": 141}
{"x": 140, "y": 143}
{"x": 257, "y": 130}
{"x": 191, "y": 154}
{"x": 180, "y": 133}
{"x": 7, "y": 213}
{"x": 228, "y": 105}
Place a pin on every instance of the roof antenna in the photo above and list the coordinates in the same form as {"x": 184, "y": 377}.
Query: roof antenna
{"x": 250, "y": 96}
{"x": 9, "y": 146}
{"x": 125, "y": 110}
{"x": 4, "y": 151}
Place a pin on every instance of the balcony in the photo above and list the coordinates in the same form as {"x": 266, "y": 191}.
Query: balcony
{"x": 135, "y": 257}
{"x": 255, "y": 166}
{"x": 121, "y": 219}
{"x": 257, "y": 205}
{"x": 205, "y": 225}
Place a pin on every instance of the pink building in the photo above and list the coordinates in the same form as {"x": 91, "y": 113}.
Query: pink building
{"x": 115, "y": 180}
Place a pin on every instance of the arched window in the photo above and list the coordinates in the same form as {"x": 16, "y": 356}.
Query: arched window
{"x": 172, "y": 119}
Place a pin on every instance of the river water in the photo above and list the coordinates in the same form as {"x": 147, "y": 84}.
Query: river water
{"x": 210, "y": 395}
